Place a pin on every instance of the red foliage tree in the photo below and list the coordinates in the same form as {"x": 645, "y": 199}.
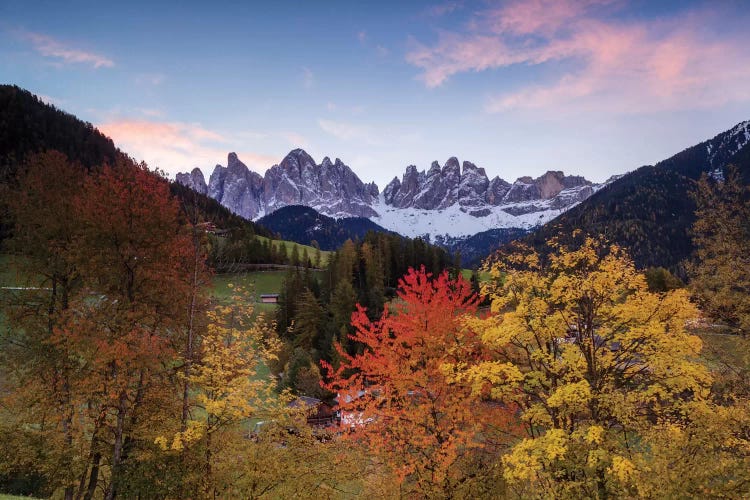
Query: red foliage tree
{"x": 399, "y": 399}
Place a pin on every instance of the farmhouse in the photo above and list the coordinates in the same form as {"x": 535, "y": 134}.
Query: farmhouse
{"x": 319, "y": 413}
{"x": 269, "y": 298}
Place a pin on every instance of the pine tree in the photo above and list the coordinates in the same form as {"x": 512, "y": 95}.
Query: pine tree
{"x": 721, "y": 273}
{"x": 294, "y": 259}
{"x": 307, "y": 321}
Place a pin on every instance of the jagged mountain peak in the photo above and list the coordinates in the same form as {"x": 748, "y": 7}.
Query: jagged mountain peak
{"x": 297, "y": 159}
{"x": 332, "y": 188}
{"x": 467, "y": 186}
{"x": 194, "y": 180}
{"x": 452, "y": 162}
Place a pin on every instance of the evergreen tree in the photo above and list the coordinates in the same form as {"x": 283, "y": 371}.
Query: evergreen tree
{"x": 294, "y": 259}
{"x": 307, "y": 321}
{"x": 721, "y": 275}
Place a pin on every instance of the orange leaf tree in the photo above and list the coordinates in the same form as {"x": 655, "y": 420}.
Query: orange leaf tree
{"x": 131, "y": 252}
{"x": 398, "y": 399}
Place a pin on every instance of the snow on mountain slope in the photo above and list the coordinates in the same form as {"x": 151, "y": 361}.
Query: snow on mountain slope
{"x": 455, "y": 222}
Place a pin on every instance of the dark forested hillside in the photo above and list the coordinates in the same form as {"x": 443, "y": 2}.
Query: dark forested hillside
{"x": 28, "y": 125}
{"x": 650, "y": 211}
{"x": 475, "y": 248}
{"x": 305, "y": 225}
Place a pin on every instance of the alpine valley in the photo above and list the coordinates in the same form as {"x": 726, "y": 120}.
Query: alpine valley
{"x": 447, "y": 205}
{"x": 458, "y": 207}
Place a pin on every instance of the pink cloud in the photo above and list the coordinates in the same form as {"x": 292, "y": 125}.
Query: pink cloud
{"x": 622, "y": 66}
{"x": 535, "y": 17}
{"x": 177, "y": 147}
{"x": 49, "y": 47}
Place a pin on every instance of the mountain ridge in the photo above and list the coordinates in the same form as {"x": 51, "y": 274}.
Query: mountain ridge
{"x": 305, "y": 225}
{"x": 463, "y": 195}
{"x": 649, "y": 211}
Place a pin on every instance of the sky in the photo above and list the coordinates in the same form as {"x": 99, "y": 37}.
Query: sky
{"x": 590, "y": 87}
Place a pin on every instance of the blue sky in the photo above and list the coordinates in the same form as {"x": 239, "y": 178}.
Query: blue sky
{"x": 591, "y": 87}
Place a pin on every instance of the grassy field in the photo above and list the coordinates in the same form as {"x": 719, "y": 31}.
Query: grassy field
{"x": 324, "y": 254}
{"x": 722, "y": 351}
{"x": 483, "y": 275}
{"x": 257, "y": 282}
{"x": 14, "y": 497}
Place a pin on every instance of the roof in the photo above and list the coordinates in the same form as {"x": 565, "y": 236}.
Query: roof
{"x": 307, "y": 401}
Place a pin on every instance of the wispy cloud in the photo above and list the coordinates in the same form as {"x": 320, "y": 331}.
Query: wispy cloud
{"x": 151, "y": 113}
{"x": 176, "y": 146}
{"x": 350, "y": 131}
{"x": 362, "y": 36}
{"x": 63, "y": 52}
{"x": 628, "y": 66}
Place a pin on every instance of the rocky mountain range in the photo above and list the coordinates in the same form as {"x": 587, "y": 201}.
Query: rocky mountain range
{"x": 469, "y": 187}
{"x": 330, "y": 187}
{"x": 455, "y": 200}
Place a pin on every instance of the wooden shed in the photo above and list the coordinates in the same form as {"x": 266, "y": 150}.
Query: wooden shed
{"x": 269, "y": 298}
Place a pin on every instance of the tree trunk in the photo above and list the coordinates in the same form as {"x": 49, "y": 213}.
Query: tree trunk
{"x": 191, "y": 329}
{"x": 94, "y": 478}
{"x": 117, "y": 450}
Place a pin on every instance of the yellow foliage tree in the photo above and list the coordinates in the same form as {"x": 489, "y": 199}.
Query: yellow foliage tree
{"x": 227, "y": 392}
{"x": 242, "y": 439}
{"x": 592, "y": 358}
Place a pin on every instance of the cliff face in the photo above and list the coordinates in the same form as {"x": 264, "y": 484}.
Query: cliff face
{"x": 194, "y": 180}
{"x": 331, "y": 187}
{"x": 470, "y": 188}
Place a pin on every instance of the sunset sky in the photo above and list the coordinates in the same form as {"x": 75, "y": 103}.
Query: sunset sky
{"x": 593, "y": 88}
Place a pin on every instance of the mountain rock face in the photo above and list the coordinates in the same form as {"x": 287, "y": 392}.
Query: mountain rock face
{"x": 194, "y": 180}
{"x": 237, "y": 188}
{"x": 331, "y": 187}
{"x": 469, "y": 187}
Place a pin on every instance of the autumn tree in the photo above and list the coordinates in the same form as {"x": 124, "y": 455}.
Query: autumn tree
{"x": 227, "y": 392}
{"x": 396, "y": 395}
{"x": 108, "y": 254}
{"x": 721, "y": 233}
{"x": 236, "y": 413}
{"x": 593, "y": 359}
{"x": 32, "y": 356}
{"x": 131, "y": 253}
{"x": 197, "y": 278}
